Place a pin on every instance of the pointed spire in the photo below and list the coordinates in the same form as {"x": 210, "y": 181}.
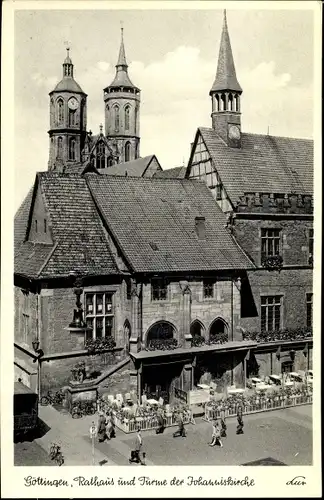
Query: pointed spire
{"x": 122, "y": 57}
{"x": 122, "y": 79}
{"x": 226, "y": 75}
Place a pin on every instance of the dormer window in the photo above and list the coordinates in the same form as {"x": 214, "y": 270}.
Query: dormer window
{"x": 200, "y": 228}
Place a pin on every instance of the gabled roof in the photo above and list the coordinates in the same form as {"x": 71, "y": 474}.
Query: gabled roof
{"x": 80, "y": 243}
{"x": 79, "y": 168}
{"x": 21, "y": 219}
{"x": 134, "y": 168}
{"x": 153, "y": 222}
{"x": 171, "y": 173}
{"x": 264, "y": 164}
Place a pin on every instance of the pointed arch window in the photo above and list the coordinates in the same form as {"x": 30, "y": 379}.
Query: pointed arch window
{"x": 72, "y": 148}
{"x": 60, "y": 111}
{"x": 59, "y": 148}
{"x": 72, "y": 117}
{"x": 100, "y": 157}
{"x": 116, "y": 118}
{"x": 127, "y": 112}
{"x": 109, "y": 161}
{"x": 127, "y": 151}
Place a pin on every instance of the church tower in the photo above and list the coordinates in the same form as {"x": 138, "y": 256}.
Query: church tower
{"x": 122, "y": 108}
{"x": 226, "y": 94}
{"x": 68, "y": 120}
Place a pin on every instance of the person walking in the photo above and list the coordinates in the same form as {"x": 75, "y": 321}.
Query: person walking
{"x": 102, "y": 435}
{"x": 110, "y": 427}
{"x": 223, "y": 424}
{"x": 160, "y": 419}
{"x": 181, "y": 429}
{"x": 216, "y": 435}
{"x": 240, "y": 423}
{"x": 135, "y": 454}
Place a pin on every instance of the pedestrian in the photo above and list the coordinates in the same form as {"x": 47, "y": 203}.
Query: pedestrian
{"x": 110, "y": 427}
{"x": 240, "y": 424}
{"x": 160, "y": 419}
{"x": 102, "y": 435}
{"x": 216, "y": 435}
{"x": 223, "y": 424}
{"x": 135, "y": 454}
{"x": 181, "y": 430}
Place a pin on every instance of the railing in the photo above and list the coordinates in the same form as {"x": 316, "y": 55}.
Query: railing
{"x": 149, "y": 423}
{"x": 272, "y": 404}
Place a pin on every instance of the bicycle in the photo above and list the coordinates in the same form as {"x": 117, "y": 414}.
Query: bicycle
{"x": 80, "y": 409}
{"x": 56, "y": 454}
{"x": 51, "y": 398}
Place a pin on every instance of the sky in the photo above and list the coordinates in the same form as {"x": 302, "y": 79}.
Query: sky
{"x": 172, "y": 57}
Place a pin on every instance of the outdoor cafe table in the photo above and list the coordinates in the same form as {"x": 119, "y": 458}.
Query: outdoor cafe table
{"x": 296, "y": 376}
{"x": 263, "y": 386}
{"x": 276, "y": 378}
{"x": 256, "y": 380}
{"x": 236, "y": 391}
{"x": 203, "y": 386}
{"x": 152, "y": 402}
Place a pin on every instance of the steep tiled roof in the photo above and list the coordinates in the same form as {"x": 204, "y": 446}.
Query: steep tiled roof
{"x": 171, "y": 173}
{"x": 153, "y": 221}
{"x": 264, "y": 164}
{"x": 79, "y": 241}
{"x": 134, "y": 168}
{"x": 68, "y": 85}
{"x": 21, "y": 219}
{"x": 30, "y": 258}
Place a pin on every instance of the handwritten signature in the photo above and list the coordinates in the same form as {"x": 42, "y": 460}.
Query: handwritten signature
{"x": 297, "y": 481}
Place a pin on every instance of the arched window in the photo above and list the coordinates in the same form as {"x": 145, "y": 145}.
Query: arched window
{"x": 100, "y": 157}
{"x": 127, "y": 111}
{"x": 230, "y": 102}
{"x": 59, "y": 147}
{"x": 223, "y": 102}
{"x": 109, "y": 161}
{"x": 60, "y": 111}
{"x": 116, "y": 117}
{"x": 136, "y": 114}
{"x": 72, "y": 149}
{"x": 72, "y": 117}
{"x": 127, "y": 151}
{"x": 237, "y": 102}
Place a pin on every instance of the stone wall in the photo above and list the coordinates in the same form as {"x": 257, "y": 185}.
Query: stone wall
{"x": 291, "y": 284}
{"x": 205, "y": 310}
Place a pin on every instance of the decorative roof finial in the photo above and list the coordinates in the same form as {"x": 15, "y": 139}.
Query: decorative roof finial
{"x": 100, "y": 128}
{"x": 122, "y": 58}
{"x": 225, "y": 18}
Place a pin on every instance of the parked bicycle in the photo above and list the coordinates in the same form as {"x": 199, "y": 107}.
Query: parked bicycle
{"x": 81, "y": 409}
{"x": 56, "y": 454}
{"x": 51, "y": 398}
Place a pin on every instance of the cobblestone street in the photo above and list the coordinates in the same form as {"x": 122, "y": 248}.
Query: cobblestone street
{"x": 283, "y": 435}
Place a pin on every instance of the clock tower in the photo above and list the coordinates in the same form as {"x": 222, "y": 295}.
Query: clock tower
{"x": 226, "y": 94}
{"x": 68, "y": 120}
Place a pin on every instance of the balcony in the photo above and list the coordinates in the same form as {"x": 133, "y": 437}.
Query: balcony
{"x": 284, "y": 335}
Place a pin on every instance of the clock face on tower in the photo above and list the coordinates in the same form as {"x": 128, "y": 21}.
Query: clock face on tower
{"x": 234, "y": 132}
{"x": 73, "y": 103}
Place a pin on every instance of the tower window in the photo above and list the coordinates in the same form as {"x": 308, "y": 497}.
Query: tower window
{"x": 36, "y": 228}
{"x": 59, "y": 147}
{"x": 230, "y": 102}
{"x": 45, "y": 226}
{"x": 223, "y": 102}
{"x": 72, "y": 117}
{"x": 100, "y": 158}
{"x": 127, "y": 151}
{"x": 127, "y": 111}
{"x": 72, "y": 147}
{"x": 116, "y": 117}
{"x": 60, "y": 111}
